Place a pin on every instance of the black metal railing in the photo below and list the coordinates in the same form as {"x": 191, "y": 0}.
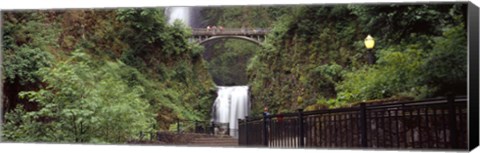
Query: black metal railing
{"x": 192, "y": 126}
{"x": 432, "y": 123}
{"x": 181, "y": 127}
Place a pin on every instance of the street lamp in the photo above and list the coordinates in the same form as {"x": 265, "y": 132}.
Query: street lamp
{"x": 369, "y": 44}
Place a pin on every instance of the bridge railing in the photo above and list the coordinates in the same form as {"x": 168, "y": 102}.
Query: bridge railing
{"x": 439, "y": 123}
{"x": 229, "y": 31}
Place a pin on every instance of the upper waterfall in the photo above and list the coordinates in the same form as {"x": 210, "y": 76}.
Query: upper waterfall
{"x": 181, "y": 13}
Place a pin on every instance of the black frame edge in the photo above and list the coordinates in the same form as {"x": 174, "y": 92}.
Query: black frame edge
{"x": 1, "y": 73}
{"x": 473, "y": 98}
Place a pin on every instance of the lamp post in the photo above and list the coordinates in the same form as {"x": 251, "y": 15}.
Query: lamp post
{"x": 369, "y": 44}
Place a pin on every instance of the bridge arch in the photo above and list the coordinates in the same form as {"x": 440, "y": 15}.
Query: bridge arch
{"x": 255, "y": 35}
{"x": 255, "y": 41}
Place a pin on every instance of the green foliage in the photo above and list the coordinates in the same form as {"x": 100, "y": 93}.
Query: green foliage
{"x": 24, "y": 47}
{"x": 316, "y": 55}
{"x": 83, "y": 102}
{"x": 446, "y": 65}
{"x": 305, "y": 55}
{"x": 397, "y": 71}
{"x": 176, "y": 80}
{"x": 244, "y": 16}
{"x": 411, "y": 71}
{"x": 101, "y": 99}
{"x": 151, "y": 40}
{"x": 324, "y": 77}
{"x": 227, "y": 63}
{"x": 392, "y": 23}
{"x": 23, "y": 63}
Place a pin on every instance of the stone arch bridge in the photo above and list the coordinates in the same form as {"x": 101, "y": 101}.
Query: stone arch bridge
{"x": 202, "y": 35}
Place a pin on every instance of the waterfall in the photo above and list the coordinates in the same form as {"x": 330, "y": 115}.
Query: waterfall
{"x": 181, "y": 13}
{"x": 232, "y": 102}
{"x": 230, "y": 105}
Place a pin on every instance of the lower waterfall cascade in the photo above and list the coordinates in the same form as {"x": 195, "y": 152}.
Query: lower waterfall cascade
{"x": 231, "y": 104}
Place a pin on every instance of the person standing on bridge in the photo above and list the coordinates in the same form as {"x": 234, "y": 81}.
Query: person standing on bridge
{"x": 221, "y": 28}
{"x": 214, "y": 28}
{"x": 208, "y": 28}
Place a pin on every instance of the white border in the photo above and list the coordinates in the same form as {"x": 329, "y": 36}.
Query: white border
{"x": 83, "y": 148}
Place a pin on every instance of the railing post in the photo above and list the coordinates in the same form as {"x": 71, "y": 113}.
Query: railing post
{"x": 265, "y": 130}
{"x": 239, "y": 132}
{"x": 141, "y": 135}
{"x": 246, "y": 130}
{"x": 178, "y": 126}
{"x": 453, "y": 120}
{"x": 151, "y": 133}
{"x": 212, "y": 127}
{"x": 151, "y": 136}
{"x": 301, "y": 132}
{"x": 363, "y": 124}
{"x": 196, "y": 126}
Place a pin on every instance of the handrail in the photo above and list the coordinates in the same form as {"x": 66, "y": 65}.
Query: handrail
{"x": 359, "y": 126}
{"x": 429, "y": 101}
{"x": 419, "y": 102}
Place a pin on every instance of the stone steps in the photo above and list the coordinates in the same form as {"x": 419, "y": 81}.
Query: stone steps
{"x": 215, "y": 141}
